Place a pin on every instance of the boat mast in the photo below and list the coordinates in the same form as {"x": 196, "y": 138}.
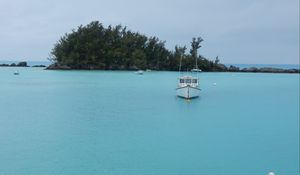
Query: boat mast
{"x": 196, "y": 59}
{"x": 196, "y": 63}
{"x": 180, "y": 63}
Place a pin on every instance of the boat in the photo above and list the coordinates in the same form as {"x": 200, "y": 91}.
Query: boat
{"x": 16, "y": 73}
{"x": 140, "y": 72}
{"x": 196, "y": 70}
{"x": 188, "y": 87}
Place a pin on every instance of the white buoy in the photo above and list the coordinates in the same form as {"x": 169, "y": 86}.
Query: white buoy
{"x": 271, "y": 173}
{"x": 215, "y": 84}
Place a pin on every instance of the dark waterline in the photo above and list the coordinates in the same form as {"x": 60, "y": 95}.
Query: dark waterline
{"x": 241, "y": 66}
{"x": 29, "y": 63}
{"x": 281, "y": 66}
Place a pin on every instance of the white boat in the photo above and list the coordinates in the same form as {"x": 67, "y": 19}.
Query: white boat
{"x": 16, "y": 73}
{"x": 140, "y": 72}
{"x": 188, "y": 87}
{"x": 196, "y": 70}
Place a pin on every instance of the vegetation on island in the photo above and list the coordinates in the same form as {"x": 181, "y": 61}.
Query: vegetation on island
{"x": 19, "y": 64}
{"x": 116, "y": 48}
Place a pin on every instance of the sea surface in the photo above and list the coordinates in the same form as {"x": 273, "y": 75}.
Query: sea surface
{"x": 121, "y": 123}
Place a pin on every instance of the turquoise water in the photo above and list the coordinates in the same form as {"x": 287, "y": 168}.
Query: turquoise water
{"x": 116, "y": 123}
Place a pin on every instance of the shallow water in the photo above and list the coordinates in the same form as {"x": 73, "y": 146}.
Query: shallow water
{"x": 105, "y": 122}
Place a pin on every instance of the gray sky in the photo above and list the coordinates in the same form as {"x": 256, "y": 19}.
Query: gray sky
{"x": 238, "y": 31}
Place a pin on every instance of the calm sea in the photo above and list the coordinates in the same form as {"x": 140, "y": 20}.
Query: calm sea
{"x": 120, "y": 123}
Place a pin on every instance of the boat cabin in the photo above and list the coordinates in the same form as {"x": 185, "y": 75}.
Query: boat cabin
{"x": 188, "y": 80}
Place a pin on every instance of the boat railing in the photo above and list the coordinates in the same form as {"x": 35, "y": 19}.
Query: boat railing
{"x": 188, "y": 83}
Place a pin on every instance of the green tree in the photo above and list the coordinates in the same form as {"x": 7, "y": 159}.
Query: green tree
{"x": 195, "y": 45}
{"x": 94, "y": 46}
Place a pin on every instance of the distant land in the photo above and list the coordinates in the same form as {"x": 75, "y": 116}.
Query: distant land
{"x": 31, "y": 63}
{"x": 21, "y": 64}
{"x": 268, "y": 68}
{"x": 94, "y": 47}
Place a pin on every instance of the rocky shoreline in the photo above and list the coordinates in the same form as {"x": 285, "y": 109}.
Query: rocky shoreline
{"x": 221, "y": 68}
{"x": 270, "y": 70}
{"x": 261, "y": 70}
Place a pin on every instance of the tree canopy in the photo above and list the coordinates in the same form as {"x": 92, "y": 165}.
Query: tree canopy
{"x": 116, "y": 48}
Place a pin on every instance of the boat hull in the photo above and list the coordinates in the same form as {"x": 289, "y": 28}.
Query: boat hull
{"x": 188, "y": 92}
{"x": 196, "y": 70}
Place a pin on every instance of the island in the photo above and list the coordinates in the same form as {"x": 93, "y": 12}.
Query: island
{"x": 20, "y": 64}
{"x": 115, "y": 48}
{"x": 95, "y": 47}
